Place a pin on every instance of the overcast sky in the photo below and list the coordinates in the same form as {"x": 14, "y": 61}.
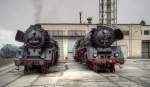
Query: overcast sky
{"x": 19, "y": 14}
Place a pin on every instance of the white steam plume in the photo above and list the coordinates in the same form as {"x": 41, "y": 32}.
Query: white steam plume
{"x": 38, "y": 5}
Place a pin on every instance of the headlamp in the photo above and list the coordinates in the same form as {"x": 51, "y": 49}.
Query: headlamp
{"x": 95, "y": 55}
{"x": 42, "y": 56}
{"x": 116, "y": 54}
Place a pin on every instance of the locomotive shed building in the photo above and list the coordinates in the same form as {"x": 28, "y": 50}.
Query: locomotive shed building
{"x": 136, "y": 42}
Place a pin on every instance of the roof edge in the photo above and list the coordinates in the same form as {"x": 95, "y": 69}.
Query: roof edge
{"x": 83, "y": 24}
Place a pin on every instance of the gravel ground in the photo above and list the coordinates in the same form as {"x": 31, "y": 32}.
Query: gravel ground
{"x": 135, "y": 73}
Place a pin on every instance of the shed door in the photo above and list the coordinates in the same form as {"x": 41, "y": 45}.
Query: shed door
{"x": 71, "y": 44}
{"x": 145, "y": 49}
{"x": 61, "y": 48}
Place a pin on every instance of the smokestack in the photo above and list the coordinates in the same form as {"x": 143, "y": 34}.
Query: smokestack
{"x": 80, "y": 14}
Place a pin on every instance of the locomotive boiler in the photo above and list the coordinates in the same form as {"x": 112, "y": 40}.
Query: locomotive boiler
{"x": 39, "y": 51}
{"x": 98, "y": 49}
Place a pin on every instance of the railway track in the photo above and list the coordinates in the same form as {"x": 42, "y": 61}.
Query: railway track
{"x": 5, "y": 85}
{"x": 5, "y": 69}
{"x": 77, "y": 75}
{"x": 9, "y": 71}
{"x": 19, "y": 79}
{"x": 128, "y": 80}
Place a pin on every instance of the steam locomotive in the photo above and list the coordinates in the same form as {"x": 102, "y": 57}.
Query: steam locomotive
{"x": 98, "y": 50}
{"x": 39, "y": 51}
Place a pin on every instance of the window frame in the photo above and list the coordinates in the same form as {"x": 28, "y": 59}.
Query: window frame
{"x": 146, "y": 32}
{"x": 126, "y": 32}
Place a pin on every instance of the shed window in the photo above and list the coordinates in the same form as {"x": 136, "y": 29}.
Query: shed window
{"x": 125, "y": 32}
{"x": 76, "y": 33}
{"x": 146, "y": 32}
{"x": 56, "y": 33}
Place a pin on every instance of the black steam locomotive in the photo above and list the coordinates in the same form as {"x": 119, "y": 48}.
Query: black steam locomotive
{"x": 39, "y": 50}
{"x": 98, "y": 49}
